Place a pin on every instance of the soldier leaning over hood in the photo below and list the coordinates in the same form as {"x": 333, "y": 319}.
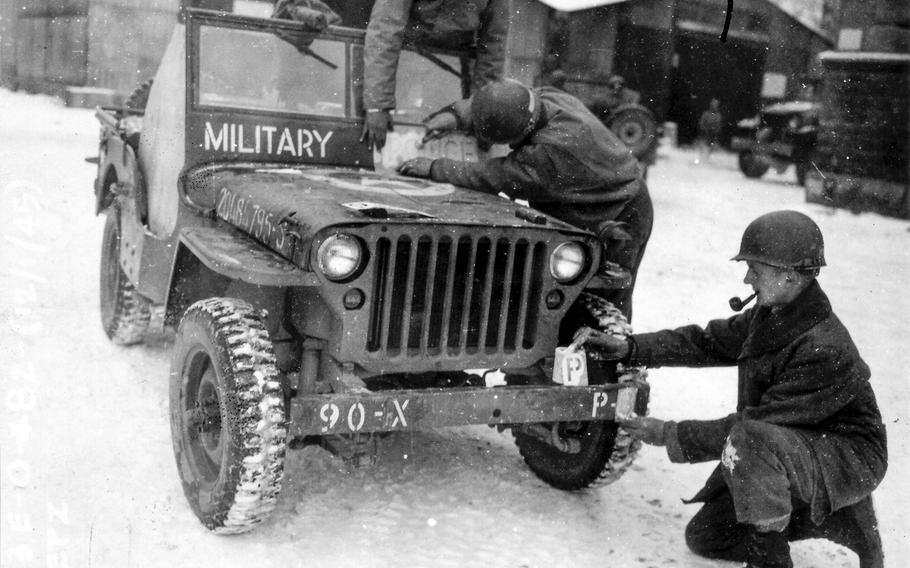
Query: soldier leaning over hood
{"x": 480, "y": 26}
{"x": 806, "y": 446}
{"x": 564, "y": 162}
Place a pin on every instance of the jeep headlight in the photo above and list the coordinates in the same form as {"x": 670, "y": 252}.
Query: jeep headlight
{"x": 568, "y": 261}
{"x": 339, "y": 256}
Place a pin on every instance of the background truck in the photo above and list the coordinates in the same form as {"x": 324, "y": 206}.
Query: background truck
{"x": 319, "y": 298}
{"x": 782, "y": 134}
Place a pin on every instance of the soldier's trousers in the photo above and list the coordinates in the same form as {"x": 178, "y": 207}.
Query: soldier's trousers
{"x": 638, "y": 217}
{"x": 771, "y": 480}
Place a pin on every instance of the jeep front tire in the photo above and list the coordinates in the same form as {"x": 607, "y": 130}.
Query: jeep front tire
{"x": 602, "y": 451}
{"x": 228, "y": 416}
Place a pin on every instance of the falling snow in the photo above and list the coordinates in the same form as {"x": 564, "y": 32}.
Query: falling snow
{"x": 87, "y": 473}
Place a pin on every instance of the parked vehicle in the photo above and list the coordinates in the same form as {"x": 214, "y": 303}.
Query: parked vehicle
{"x": 782, "y": 134}
{"x": 319, "y": 298}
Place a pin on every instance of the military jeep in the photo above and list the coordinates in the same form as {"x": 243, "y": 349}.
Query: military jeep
{"x": 317, "y": 297}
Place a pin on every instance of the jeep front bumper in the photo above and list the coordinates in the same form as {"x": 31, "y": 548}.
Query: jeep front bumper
{"x": 421, "y": 409}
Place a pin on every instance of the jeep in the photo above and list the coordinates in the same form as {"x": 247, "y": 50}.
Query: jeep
{"x": 316, "y": 297}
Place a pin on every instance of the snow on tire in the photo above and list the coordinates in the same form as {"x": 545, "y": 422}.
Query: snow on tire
{"x": 228, "y": 416}
{"x": 125, "y": 314}
{"x": 606, "y": 451}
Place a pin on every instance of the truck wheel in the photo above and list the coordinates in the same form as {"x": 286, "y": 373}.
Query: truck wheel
{"x": 751, "y": 165}
{"x": 124, "y": 313}
{"x": 635, "y": 126}
{"x": 606, "y": 450}
{"x": 227, "y": 415}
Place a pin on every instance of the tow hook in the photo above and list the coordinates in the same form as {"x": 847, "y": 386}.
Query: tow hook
{"x": 567, "y": 445}
{"x": 550, "y": 435}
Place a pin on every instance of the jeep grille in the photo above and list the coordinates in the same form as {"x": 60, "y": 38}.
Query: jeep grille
{"x": 438, "y": 295}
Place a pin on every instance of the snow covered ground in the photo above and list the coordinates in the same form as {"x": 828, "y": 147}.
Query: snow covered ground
{"x": 87, "y": 475}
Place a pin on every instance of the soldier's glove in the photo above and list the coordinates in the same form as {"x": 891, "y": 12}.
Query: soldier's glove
{"x": 648, "y": 430}
{"x": 610, "y": 346}
{"x": 416, "y": 167}
{"x": 376, "y": 126}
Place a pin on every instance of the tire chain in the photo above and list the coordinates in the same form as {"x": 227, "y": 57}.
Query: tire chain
{"x": 132, "y": 312}
{"x": 625, "y": 447}
{"x": 133, "y": 323}
{"x": 263, "y": 428}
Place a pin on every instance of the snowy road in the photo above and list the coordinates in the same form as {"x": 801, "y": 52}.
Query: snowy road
{"x": 87, "y": 475}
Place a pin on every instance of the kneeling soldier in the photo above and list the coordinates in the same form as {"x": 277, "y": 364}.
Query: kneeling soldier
{"x": 806, "y": 446}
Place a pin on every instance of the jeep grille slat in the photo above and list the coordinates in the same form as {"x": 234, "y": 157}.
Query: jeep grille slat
{"x": 445, "y": 296}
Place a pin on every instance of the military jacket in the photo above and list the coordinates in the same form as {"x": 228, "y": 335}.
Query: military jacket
{"x": 481, "y": 26}
{"x": 571, "y": 166}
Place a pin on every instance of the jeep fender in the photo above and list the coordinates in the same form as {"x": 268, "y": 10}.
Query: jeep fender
{"x": 209, "y": 260}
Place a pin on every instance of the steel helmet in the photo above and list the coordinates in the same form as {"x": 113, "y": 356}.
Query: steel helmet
{"x": 785, "y": 239}
{"x": 504, "y": 112}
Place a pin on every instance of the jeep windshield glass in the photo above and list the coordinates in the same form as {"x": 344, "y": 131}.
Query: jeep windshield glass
{"x": 259, "y": 70}
{"x": 421, "y": 87}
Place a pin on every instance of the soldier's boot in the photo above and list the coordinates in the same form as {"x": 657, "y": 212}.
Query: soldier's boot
{"x": 855, "y": 527}
{"x": 768, "y": 549}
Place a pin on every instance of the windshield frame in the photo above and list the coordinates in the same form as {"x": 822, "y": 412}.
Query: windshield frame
{"x": 353, "y": 77}
{"x": 203, "y": 18}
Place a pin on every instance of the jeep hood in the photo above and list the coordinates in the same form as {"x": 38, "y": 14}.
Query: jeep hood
{"x": 313, "y": 199}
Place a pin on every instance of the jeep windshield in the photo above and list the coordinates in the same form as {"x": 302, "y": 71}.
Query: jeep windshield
{"x": 289, "y": 71}
{"x": 255, "y": 69}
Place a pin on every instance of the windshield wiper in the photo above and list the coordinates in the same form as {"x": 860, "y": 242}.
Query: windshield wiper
{"x": 302, "y": 44}
{"x": 307, "y": 51}
{"x": 437, "y": 61}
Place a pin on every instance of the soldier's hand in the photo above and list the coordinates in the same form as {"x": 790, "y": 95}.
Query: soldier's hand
{"x": 376, "y": 127}
{"x": 608, "y": 345}
{"x": 648, "y": 430}
{"x": 438, "y": 125}
{"x": 416, "y": 167}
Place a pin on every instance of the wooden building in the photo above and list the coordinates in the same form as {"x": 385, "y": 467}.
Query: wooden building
{"x": 49, "y": 46}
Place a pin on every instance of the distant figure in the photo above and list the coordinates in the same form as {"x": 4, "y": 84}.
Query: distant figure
{"x": 709, "y": 126}
{"x": 615, "y": 96}
{"x": 481, "y": 26}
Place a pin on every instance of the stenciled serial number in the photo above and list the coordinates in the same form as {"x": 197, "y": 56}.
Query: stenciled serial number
{"x": 356, "y": 415}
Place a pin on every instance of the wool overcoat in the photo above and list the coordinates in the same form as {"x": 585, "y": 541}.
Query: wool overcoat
{"x": 798, "y": 368}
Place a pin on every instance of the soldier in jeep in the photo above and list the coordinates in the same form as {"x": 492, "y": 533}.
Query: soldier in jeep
{"x": 564, "y": 161}
{"x": 481, "y": 27}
